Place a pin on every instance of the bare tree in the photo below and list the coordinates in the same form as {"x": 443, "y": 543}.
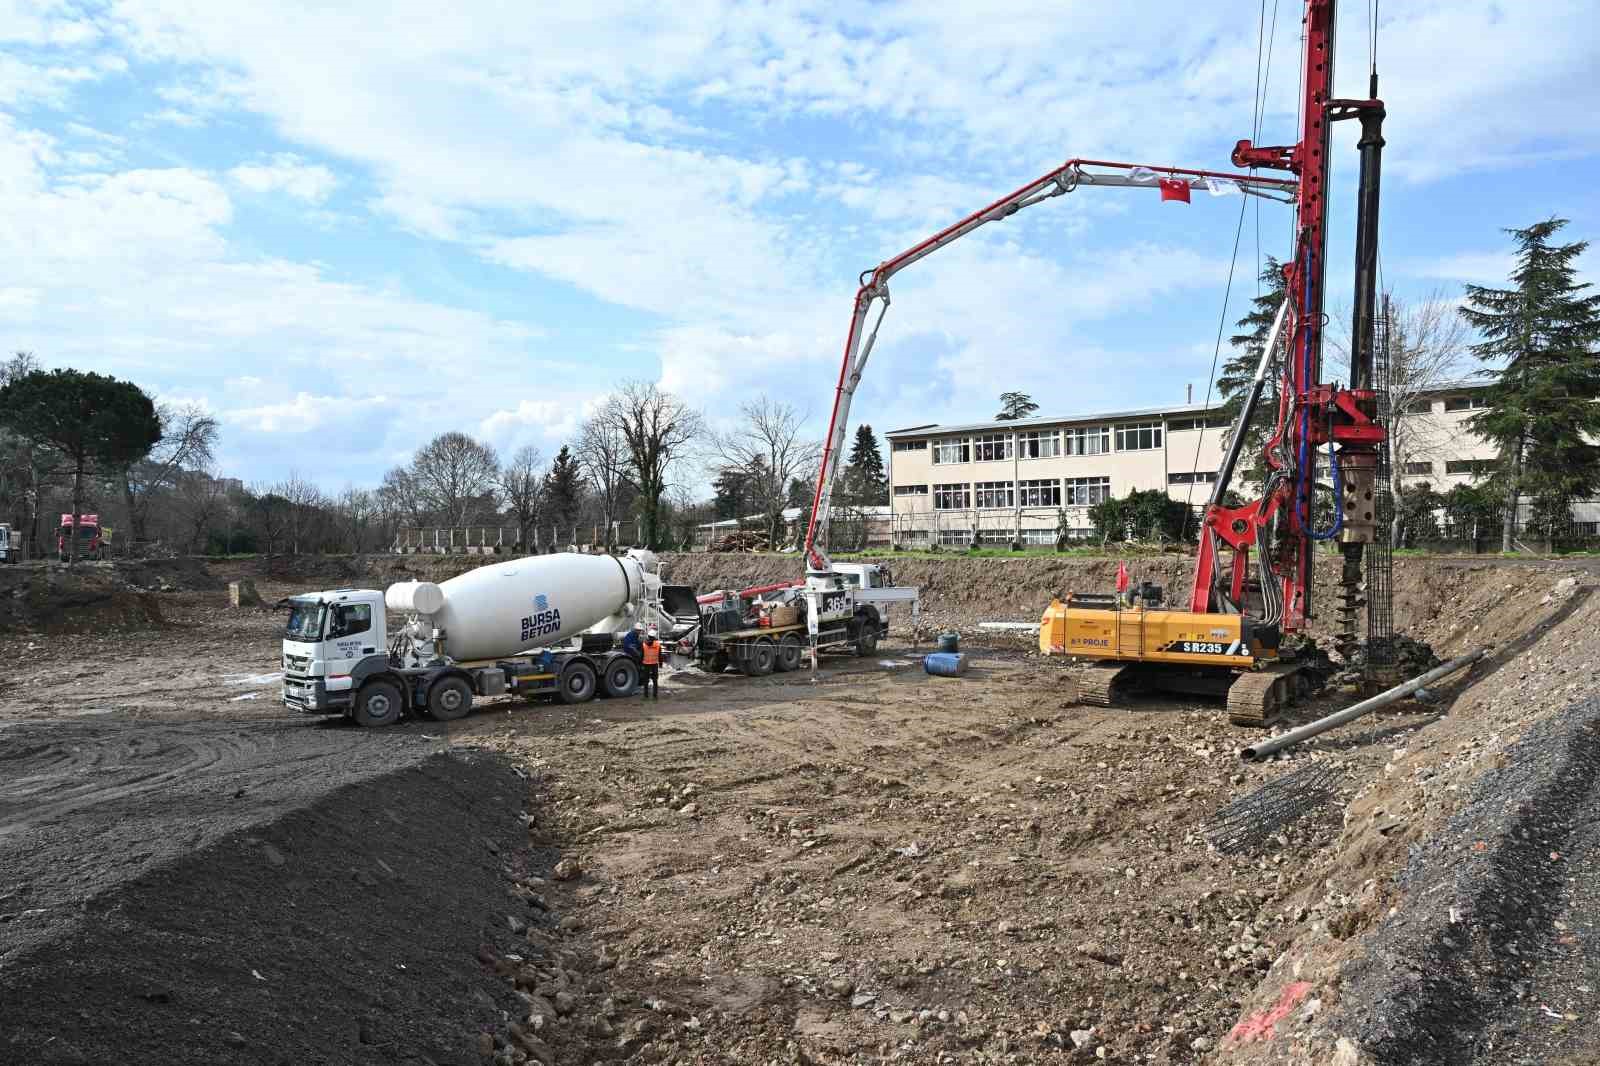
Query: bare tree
{"x": 303, "y": 499}
{"x": 603, "y": 455}
{"x": 202, "y": 500}
{"x": 452, "y": 474}
{"x": 355, "y": 510}
{"x": 1427, "y": 349}
{"x": 521, "y": 485}
{"x": 188, "y": 440}
{"x": 22, "y": 462}
{"x": 657, "y": 427}
{"x": 768, "y": 447}
{"x": 269, "y": 514}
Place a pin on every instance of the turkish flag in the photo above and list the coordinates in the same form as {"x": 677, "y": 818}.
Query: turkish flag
{"x": 1174, "y": 189}
{"x": 1122, "y": 577}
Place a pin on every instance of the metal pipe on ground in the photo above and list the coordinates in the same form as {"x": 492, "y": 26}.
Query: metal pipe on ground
{"x": 1256, "y": 752}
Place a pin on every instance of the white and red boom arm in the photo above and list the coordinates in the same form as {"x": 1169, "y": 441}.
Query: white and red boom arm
{"x": 875, "y": 290}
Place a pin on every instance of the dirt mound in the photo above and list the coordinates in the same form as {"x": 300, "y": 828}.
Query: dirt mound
{"x": 186, "y": 574}
{"x": 349, "y": 930}
{"x": 89, "y": 597}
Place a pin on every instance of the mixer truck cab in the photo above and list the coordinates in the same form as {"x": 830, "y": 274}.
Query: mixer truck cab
{"x": 543, "y": 626}
{"x": 332, "y": 640}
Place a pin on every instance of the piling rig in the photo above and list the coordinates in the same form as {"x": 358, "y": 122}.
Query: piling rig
{"x": 1229, "y": 637}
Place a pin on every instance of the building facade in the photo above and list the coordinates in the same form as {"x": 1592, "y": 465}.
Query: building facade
{"x": 1033, "y": 480}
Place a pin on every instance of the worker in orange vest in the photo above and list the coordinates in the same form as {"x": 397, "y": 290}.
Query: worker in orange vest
{"x": 650, "y": 672}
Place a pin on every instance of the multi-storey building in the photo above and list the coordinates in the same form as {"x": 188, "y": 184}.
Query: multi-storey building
{"x": 1033, "y": 479}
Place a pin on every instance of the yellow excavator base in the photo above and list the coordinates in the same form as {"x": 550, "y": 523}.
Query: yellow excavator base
{"x": 1182, "y": 651}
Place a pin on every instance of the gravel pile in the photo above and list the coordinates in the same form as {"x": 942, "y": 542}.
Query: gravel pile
{"x": 1492, "y": 958}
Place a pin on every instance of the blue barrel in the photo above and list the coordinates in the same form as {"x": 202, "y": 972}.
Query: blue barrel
{"x": 950, "y": 642}
{"x": 945, "y": 663}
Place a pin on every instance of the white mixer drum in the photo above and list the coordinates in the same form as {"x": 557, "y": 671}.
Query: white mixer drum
{"x": 500, "y": 610}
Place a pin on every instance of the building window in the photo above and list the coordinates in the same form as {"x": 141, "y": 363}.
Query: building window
{"x": 953, "y": 450}
{"x": 955, "y": 538}
{"x": 1045, "y": 492}
{"x": 1038, "y": 536}
{"x": 952, "y": 497}
{"x": 910, "y": 446}
{"x": 1465, "y": 403}
{"x": 1469, "y": 466}
{"x": 911, "y": 490}
{"x": 1418, "y": 469}
{"x": 1196, "y": 477}
{"x": 993, "y": 495}
{"x": 995, "y": 537}
{"x": 991, "y": 447}
{"x": 1082, "y": 491}
{"x": 1138, "y": 436}
{"x": 1089, "y": 440}
{"x": 1181, "y": 425}
{"x": 1420, "y": 407}
{"x": 1039, "y": 444}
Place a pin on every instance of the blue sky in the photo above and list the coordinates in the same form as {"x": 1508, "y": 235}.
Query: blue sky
{"x": 346, "y": 232}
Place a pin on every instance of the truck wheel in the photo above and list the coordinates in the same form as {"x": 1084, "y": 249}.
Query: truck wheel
{"x": 718, "y": 663}
{"x": 866, "y": 635}
{"x": 449, "y": 698}
{"x": 621, "y": 677}
{"x": 378, "y": 703}
{"x": 577, "y": 683}
{"x": 788, "y": 653}
{"x": 760, "y": 657}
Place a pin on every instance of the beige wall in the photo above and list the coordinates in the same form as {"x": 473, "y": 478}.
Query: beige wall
{"x": 1441, "y": 439}
{"x": 1180, "y": 452}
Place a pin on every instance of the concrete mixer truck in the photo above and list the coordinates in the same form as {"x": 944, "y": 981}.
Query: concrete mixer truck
{"x": 544, "y": 625}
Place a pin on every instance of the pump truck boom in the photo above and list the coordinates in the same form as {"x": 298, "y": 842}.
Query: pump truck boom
{"x": 1228, "y": 637}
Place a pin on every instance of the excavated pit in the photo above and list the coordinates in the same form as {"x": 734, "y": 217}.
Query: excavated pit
{"x": 877, "y": 865}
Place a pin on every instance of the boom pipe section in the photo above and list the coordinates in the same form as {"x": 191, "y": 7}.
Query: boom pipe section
{"x": 875, "y": 288}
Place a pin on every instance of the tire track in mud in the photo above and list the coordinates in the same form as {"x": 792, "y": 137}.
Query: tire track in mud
{"x": 65, "y": 774}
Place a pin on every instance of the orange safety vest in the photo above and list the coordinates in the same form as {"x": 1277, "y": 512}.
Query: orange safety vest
{"x": 652, "y": 653}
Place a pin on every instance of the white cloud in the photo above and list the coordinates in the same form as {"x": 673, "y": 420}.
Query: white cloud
{"x": 305, "y": 411}
{"x": 1479, "y": 268}
{"x": 45, "y": 22}
{"x": 546, "y": 418}
{"x": 287, "y": 173}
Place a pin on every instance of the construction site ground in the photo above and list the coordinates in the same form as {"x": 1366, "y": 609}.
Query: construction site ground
{"x": 877, "y": 865}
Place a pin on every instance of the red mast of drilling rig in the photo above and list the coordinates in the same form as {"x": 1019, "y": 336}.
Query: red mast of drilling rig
{"x": 1313, "y": 415}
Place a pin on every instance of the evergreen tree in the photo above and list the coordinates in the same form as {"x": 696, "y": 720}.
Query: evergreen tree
{"x": 563, "y": 491}
{"x": 865, "y": 484}
{"x": 1240, "y": 370}
{"x": 800, "y": 492}
{"x": 1015, "y": 405}
{"x": 1543, "y": 332}
{"x": 731, "y": 493}
{"x": 96, "y": 422}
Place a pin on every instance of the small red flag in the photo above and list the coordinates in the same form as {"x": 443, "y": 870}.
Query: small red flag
{"x": 1174, "y": 189}
{"x": 1122, "y": 577}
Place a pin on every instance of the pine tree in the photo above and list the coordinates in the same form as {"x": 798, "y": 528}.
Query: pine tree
{"x": 865, "y": 484}
{"x": 1543, "y": 331}
{"x": 732, "y": 493}
{"x": 1015, "y": 405}
{"x": 563, "y": 490}
{"x": 1233, "y": 383}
